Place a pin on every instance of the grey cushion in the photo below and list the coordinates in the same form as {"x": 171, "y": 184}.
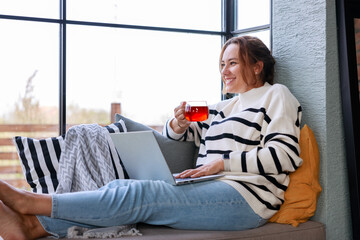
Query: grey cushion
{"x": 309, "y": 230}
{"x": 179, "y": 155}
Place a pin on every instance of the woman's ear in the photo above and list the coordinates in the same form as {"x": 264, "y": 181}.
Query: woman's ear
{"x": 258, "y": 67}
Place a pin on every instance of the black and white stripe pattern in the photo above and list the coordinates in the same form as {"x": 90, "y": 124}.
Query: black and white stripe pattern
{"x": 39, "y": 159}
{"x": 259, "y": 131}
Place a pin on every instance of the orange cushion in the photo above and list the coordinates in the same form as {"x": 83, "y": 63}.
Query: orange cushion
{"x": 304, "y": 188}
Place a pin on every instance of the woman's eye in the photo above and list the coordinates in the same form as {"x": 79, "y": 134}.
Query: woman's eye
{"x": 232, "y": 63}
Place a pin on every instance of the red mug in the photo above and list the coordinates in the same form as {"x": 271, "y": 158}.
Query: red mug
{"x": 196, "y": 111}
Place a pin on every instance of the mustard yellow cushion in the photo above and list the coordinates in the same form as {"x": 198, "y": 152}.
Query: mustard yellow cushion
{"x": 304, "y": 188}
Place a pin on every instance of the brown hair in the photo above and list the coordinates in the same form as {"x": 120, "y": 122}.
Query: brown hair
{"x": 252, "y": 50}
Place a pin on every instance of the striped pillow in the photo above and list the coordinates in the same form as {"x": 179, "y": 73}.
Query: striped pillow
{"x": 39, "y": 159}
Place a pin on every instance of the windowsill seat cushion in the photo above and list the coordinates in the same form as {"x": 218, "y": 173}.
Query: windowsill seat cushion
{"x": 309, "y": 230}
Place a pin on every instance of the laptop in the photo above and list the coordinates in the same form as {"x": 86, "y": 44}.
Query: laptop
{"x": 143, "y": 160}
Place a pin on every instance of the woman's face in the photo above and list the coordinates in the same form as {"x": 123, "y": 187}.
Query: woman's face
{"x": 231, "y": 72}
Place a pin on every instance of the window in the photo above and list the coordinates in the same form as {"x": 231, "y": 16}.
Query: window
{"x": 186, "y": 14}
{"x": 29, "y": 92}
{"x": 139, "y": 71}
{"x": 143, "y": 52}
{"x": 254, "y": 18}
{"x": 30, "y": 72}
{"x": 33, "y": 8}
{"x": 68, "y": 62}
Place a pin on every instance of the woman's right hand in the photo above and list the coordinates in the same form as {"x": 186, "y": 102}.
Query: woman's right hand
{"x": 179, "y": 124}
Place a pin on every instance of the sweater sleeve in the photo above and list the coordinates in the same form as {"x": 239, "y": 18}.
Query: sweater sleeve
{"x": 278, "y": 151}
{"x": 192, "y": 134}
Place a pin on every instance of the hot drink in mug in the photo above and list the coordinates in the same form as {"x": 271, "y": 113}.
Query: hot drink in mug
{"x": 196, "y": 111}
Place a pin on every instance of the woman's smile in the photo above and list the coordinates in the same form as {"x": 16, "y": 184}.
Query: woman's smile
{"x": 229, "y": 80}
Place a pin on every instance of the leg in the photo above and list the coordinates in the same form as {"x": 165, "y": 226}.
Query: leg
{"x": 58, "y": 227}
{"x": 212, "y": 205}
{"x": 25, "y": 202}
{"x": 14, "y": 226}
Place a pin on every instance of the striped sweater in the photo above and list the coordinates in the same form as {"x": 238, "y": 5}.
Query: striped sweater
{"x": 259, "y": 129}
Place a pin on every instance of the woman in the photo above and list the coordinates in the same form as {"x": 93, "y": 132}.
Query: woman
{"x": 252, "y": 138}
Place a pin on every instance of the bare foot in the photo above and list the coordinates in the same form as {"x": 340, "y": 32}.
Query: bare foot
{"x": 25, "y": 202}
{"x": 14, "y": 226}
{"x": 11, "y": 196}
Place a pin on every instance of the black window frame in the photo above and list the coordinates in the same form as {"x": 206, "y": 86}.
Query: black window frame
{"x": 228, "y": 30}
{"x": 346, "y": 11}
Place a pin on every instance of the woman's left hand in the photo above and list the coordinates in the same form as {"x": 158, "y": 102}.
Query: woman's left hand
{"x": 210, "y": 168}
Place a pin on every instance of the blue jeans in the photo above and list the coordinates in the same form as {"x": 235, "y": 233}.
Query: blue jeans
{"x": 210, "y": 205}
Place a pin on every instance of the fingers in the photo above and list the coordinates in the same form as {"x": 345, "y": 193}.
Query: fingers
{"x": 184, "y": 174}
{"x": 191, "y": 173}
{"x": 179, "y": 113}
{"x": 200, "y": 173}
{"x": 181, "y": 106}
{"x": 210, "y": 168}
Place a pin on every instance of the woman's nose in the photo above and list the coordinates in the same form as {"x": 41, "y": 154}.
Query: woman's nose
{"x": 225, "y": 70}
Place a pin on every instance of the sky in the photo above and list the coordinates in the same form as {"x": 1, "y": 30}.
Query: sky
{"x": 148, "y": 72}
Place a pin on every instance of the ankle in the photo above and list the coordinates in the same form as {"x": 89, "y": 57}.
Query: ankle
{"x": 36, "y": 204}
{"x": 21, "y": 204}
{"x": 32, "y": 227}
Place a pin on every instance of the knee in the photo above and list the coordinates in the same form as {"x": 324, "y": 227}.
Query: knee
{"x": 145, "y": 191}
{"x": 113, "y": 184}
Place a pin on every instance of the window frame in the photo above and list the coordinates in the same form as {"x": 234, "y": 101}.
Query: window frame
{"x": 228, "y": 30}
{"x": 347, "y": 11}
{"x": 256, "y": 28}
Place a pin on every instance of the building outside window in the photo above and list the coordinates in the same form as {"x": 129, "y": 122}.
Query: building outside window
{"x": 68, "y": 62}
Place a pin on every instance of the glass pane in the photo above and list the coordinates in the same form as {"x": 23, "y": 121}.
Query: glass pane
{"x": 253, "y": 13}
{"x": 31, "y": 8}
{"x": 190, "y": 14}
{"x": 148, "y": 72}
{"x": 262, "y": 35}
{"x": 29, "y": 96}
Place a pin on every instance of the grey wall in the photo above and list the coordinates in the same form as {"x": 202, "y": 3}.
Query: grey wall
{"x": 305, "y": 47}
